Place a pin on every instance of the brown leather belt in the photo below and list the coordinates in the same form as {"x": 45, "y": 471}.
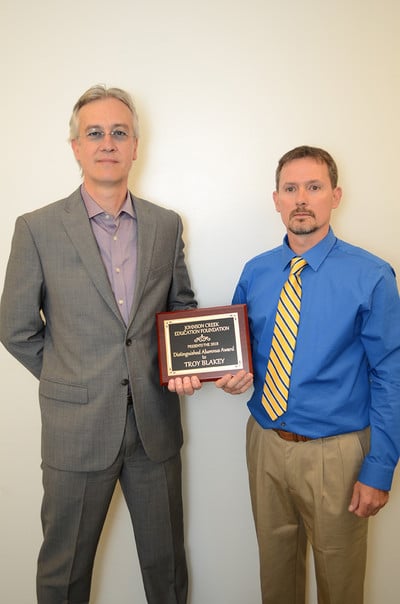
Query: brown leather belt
{"x": 291, "y": 436}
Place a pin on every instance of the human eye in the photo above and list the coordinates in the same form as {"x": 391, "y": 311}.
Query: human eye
{"x": 95, "y": 134}
{"x": 314, "y": 187}
{"x": 119, "y": 135}
{"x": 289, "y": 188}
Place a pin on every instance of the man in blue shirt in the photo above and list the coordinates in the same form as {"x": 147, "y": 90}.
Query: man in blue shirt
{"x": 323, "y": 466}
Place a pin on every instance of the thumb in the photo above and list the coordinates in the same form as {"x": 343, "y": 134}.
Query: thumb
{"x": 355, "y": 500}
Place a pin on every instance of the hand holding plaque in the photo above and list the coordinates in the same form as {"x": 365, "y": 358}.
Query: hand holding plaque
{"x": 207, "y": 342}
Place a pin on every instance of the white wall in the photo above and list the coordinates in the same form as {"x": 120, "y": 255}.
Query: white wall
{"x": 224, "y": 88}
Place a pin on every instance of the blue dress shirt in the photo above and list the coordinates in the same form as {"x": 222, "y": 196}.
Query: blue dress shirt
{"x": 346, "y": 369}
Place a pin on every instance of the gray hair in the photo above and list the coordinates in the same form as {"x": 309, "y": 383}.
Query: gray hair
{"x": 97, "y": 93}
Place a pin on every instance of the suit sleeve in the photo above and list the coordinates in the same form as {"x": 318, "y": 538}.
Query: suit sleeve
{"x": 181, "y": 295}
{"x": 22, "y": 324}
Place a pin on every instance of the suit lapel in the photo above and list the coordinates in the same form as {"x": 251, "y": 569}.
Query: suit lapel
{"x": 146, "y": 235}
{"x": 77, "y": 226}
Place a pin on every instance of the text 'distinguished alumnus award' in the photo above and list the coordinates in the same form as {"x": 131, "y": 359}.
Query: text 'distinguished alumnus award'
{"x": 207, "y": 342}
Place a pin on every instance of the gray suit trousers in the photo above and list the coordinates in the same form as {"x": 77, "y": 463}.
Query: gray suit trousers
{"x": 74, "y": 508}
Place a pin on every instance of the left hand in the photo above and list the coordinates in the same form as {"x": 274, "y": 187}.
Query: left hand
{"x": 367, "y": 501}
{"x": 235, "y": 384}
{"x": 187, "y": 385}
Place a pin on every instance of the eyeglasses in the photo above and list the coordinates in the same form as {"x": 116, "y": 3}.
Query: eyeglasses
{"x": 97, "y": 134}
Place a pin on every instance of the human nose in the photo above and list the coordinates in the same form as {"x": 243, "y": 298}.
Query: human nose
{"x": 301, "y": 197}
{"x": 108, "y": 142}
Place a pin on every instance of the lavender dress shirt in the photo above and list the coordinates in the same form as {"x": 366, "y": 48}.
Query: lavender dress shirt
{"x": 116, "y": 238}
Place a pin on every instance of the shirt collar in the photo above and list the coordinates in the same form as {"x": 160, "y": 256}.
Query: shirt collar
{"x": 93, "y": 209}
{"x": 314, "y": 256}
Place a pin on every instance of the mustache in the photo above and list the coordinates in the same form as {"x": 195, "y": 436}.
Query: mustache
{"x": 302, "y": 212}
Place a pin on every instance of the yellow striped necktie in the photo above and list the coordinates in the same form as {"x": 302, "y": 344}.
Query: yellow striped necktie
{"x": 277, "y": 379}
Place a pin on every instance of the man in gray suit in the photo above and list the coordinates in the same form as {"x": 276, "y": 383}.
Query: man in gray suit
{"x": 85, "y": 278}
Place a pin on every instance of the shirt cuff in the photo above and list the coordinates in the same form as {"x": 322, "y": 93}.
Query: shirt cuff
{"x": 376, "y": 476}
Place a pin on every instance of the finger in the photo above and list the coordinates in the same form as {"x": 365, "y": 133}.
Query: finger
{"x": 172, "y": 385}
{"x": 222, "y": 382}
{"x": 187, "y": 387}
{"x": 355, "y": 501}
{"x": 196, "y": 384}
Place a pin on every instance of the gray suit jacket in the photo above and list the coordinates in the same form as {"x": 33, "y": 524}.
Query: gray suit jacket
{"x": 59, "y": 318}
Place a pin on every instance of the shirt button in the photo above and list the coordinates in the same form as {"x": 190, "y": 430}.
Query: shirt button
{"x": 117, "y": 270}
{"x": 283, "y": 424}
{"x": 120, "y": 302}
{"x": 128, "y": 342}
{"x": 124, "y": 382}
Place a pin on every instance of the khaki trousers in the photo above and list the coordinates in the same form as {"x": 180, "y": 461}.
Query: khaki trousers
{"x": 300, "y": 492}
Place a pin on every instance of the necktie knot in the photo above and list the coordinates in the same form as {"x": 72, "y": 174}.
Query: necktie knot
{"x": 297, "y": 264}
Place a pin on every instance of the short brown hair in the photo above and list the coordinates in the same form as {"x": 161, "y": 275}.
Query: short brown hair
{"x": 320, "y": 155}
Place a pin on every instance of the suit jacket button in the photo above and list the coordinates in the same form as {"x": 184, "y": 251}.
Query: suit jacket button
{"x": 124, "y": 382}
{"x": 128, "y": 342}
